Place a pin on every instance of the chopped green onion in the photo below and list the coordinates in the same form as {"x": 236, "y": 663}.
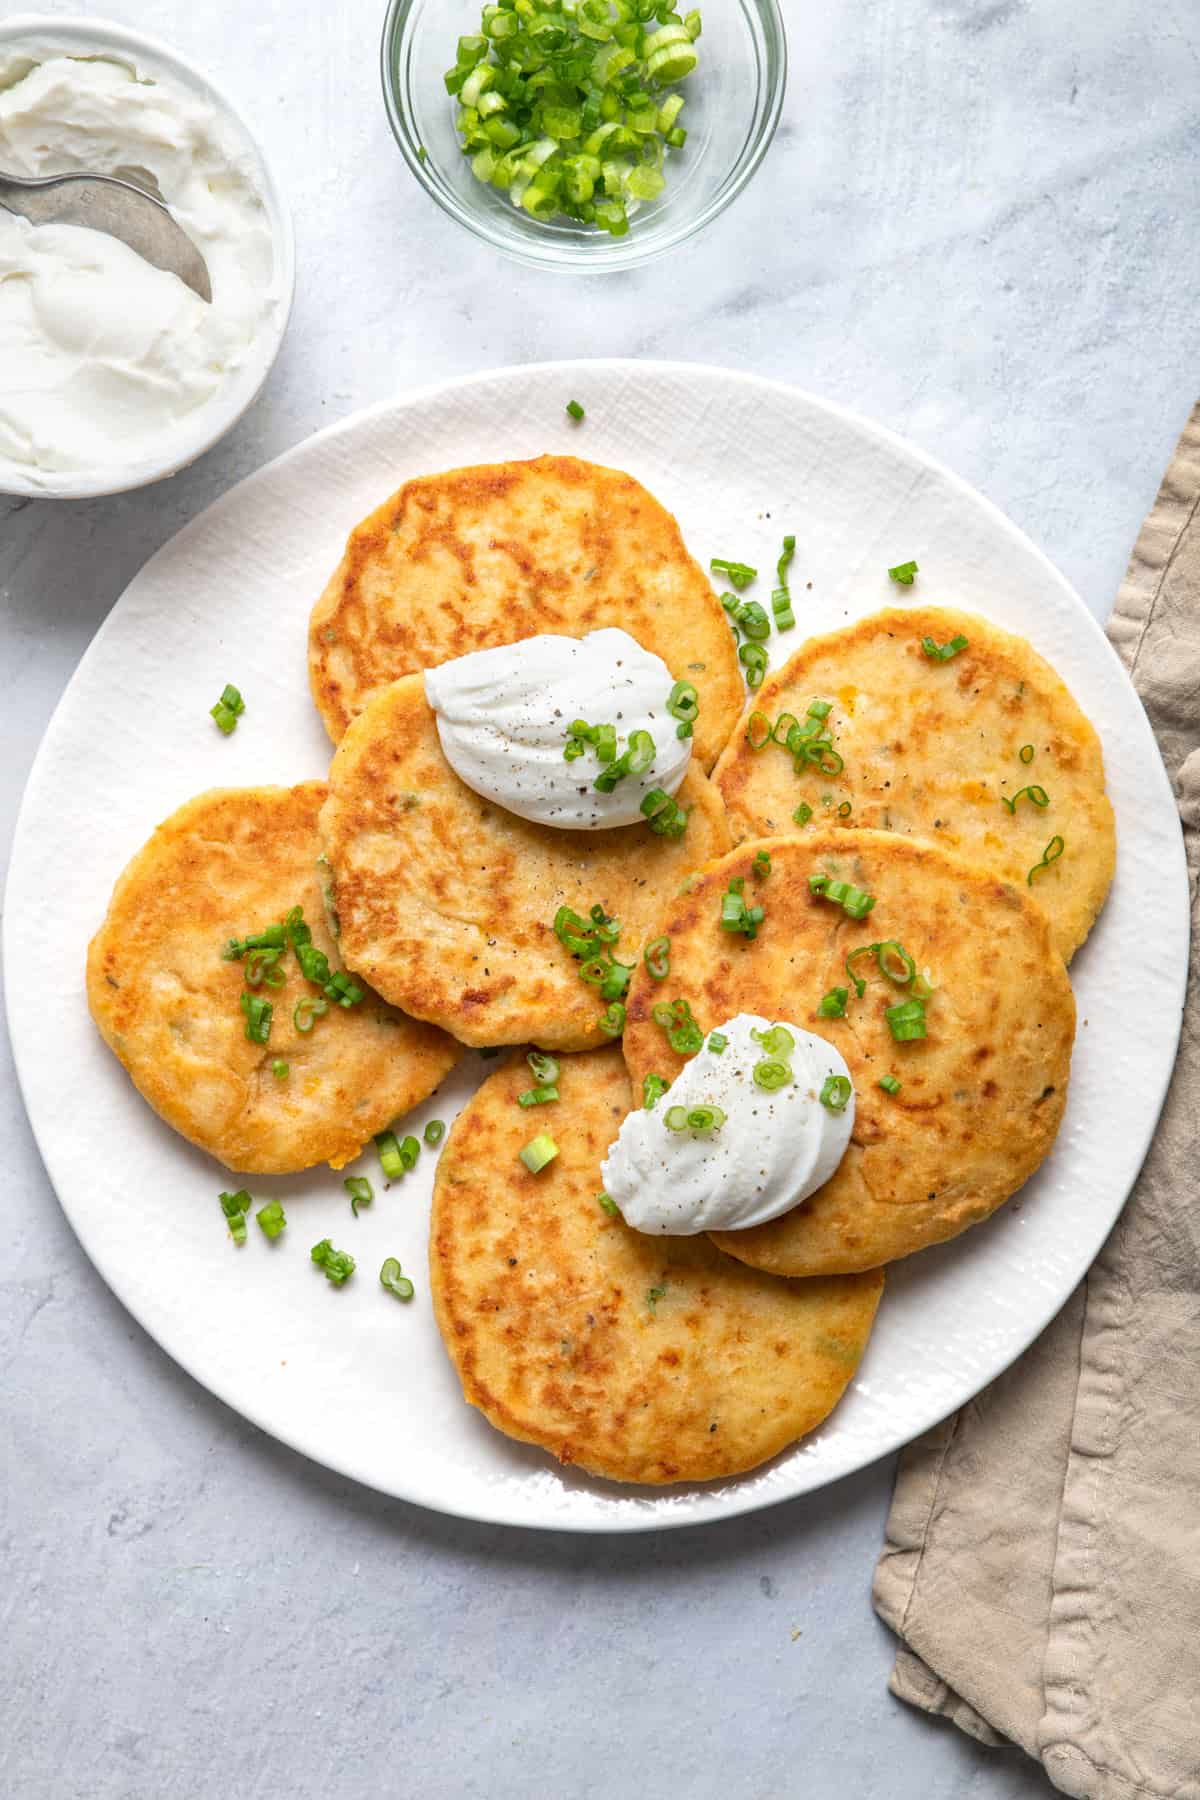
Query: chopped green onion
{"x": 740, "y": 574}
{"x": 762, "y": 864}
{"x": 280, "y": 1070}
{"x": 771, "y": 1074}
{"x": 271, "y": 1219}
{"x": 576, "y": 411}
{"x": 753, "y": 659}
{"x": 844, "y": 810}
{"x": 760, "y": 738}
{"x": 258, "y": 1017}
{"x": 907, "y": 1020}
{"x": 612, "y": 1021}
{"x": 1050, "y": 854}
{"x": 821, "y": 753}
{"x": 696, "y": 1118}
{"x": 889, "y": 1084}
{"x": 583, "y": 939}
{"x": 306, "y": 1011}
{"x": 434, "y": 1132}
{"x": 1026, "y": 753}
{"x": 717, "y": 1042}
{"x": 338, "y": 1265}
{"x": 781, "y": 599}
{"x": 895, "y": 962}
{"x": 635, "y": 759}
{"x": 360, "y": 1191}
{"x": 273, "y": 938}
{"x": 683, "y": 702}
{"x": 544, "y": 1068}
{"x": 753, "y": 621}
{"x": 235, "y": 1208}
{"x": 537, "y": 1096}
{"x": 675, "y": 1018}
{"x": 657, "y": 958}
{"x": 735, "y": 914}
{"x": 776, "y": 1040}
{"x": 833, "y": 1004}
{"x": 261, "y": 967}
{"x": 802, "y": 814}
{"x": 391, "y": 1278}
{"x": 228, "y": 709}
{"x": 1037, "y": 794}
{"x": 675, "y": 1118}
{"x": 389, "y": 1155}
{"x": 903, "y": 573}
{"x": 943, "y": 652}
{"x": 607, "y": 1204}
{"x": 538, "y": 1152}
{"x": 853, "y": 902}
{"x": 653, "y": 1089}
{"x": 667, "y": 819}
{"x": 410, "y": 1150}
{"x": 836, "y": 1093}
{"x": 653, "y": 1296}
{"x": 860, "y": 986}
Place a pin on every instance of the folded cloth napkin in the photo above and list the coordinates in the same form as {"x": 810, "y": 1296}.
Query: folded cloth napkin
{"x": 1042, "y": 1565}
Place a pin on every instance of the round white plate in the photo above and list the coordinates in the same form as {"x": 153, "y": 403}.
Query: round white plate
{"x": 351, "y": 1376}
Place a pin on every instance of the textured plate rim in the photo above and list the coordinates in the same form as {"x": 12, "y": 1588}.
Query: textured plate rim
{"x": 730, "y": 1503}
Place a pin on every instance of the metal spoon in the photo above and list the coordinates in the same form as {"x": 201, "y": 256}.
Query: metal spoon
{"x": 123, "y": 210}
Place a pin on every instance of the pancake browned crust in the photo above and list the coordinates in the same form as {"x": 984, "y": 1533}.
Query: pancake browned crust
{"x": 446, "y": 902}
{"x": 981, "y": 1096}
{"x": 931, "y": 747}
{"x": 229, "y": 863}
{"x": 482, "y": 556}
{"x": 646, "y": 1359}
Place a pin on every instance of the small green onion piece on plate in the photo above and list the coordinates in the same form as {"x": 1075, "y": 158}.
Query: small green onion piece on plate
{"x": 608, "y": 1205}
{"x": 1036, "y": 794}
{"x": 717, "y": 1042}
{"x": 538, "y": 1152}
{"x": 1026, "y": 753}
{"x": 280, "y": 1070}
{"x": 802, "y": 814}
{"x": 906, "y": 1022}
{"x": 391, "y": 1278}
{"x": 833, "y": 1004}
{"x": 576, "y": 411}
{"x": 389, "y": 1155}
{"x": 653, "y": 1089}
{"x": 835, "y": 1094}
{"x": 434, "y": 1132}
{"x": 338, "y": 1265}
{"x": 889, "y": 1084}
{"x": 537, "y": 1096}
{"x": 543, "y": 1067}
{"x": 271, "y": 1219}
{"x": 943, "y": 652}
{"x": 235, "y": 1208}
{"x": 228, "y": 709}
{"x": 904, "y": 572}
{"x": 740, "y": 574}
{"x": 360, "y": 1191}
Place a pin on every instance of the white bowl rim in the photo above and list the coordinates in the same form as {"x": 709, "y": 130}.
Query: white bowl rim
{"x": 108, "y": 34}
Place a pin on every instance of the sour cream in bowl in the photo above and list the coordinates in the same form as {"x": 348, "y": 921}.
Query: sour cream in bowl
{"x": 113, "y": 373}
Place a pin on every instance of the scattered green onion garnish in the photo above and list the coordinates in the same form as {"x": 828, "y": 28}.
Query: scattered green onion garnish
{"x": 753, "y": 621}
{"x": 781, "y": 599}
{"x": 635, "y": 759}
{"x": 853, "y": 902}
{"x": 1050, "y": 854}
{"x": 844, "y": 810}
{"x": 683, "y": 703}
{"x": 675, "y": 1017}
{"x": 564, "y": 105}
{"x": 434, "y": 1132}
{"x": 657, "y": 958}
{"x": 836, "y": 1093}
{"x": 273, "y": 938}
{"x": 612, "y": 1020}
{"x": 360, "y": 1191}
{"x": 717, "y": 1042}
{"x": 758, "y": 731}
{"x": 258, "y": 1017}
{"x": 538, "y": 1152}
{"x": 833, "y": 1004}
{"x": 391, "y": 1278}
{"x": 228, "y": 709}
{"x": 776, "y": 1040}
{"x": 666, "y": 817}
{"x": 235, "y": 1208}
{"x": 889, "y": 1084}
{"x": 903, "y": 573}
{"x": 761, "y": 864}
{"x": 388, "y": 1147}
{"x": 537, "y": 1096}
{"x": 739, "y": 573}
{"x": 280, "y": 1070}
{"x": 653, "y": 1089}
{"x": 802, "y": 814}
{"x": 576, "y": 411}
{"x": 271, "y": 1219}
{"x": 1026, "y": 753}
{"x": 543, "y": 1067}
{"x": 895, "y": 962}
{"x": 307, "y": 1011}
{"x": 735, "y": 914}
{"x": 771, "y": 1074}
{"x": 410, "y": 1150}
{"x": 338, "y": 1265}
{"x": 608, "y": 1205}
{"x": 653, "y": 1296}
{"x": 943, "y": 652}
{"x": 1037, "y": 794}
{"x": 907, "y": 1020}
{"x": 695, "y": 1118}
{"x": 753, "y": 659}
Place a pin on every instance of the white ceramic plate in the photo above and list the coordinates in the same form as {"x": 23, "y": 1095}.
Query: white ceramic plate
{"x": 352, "y": 1377}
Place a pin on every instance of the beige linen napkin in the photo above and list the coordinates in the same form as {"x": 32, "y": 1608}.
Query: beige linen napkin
{"x": 1042, "y": 1566}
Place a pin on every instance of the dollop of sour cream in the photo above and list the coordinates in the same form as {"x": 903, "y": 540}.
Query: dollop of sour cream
{"x": 503, "y": 717}
{"x": 771, "y": 1152}
{"x": 104, "y": 360}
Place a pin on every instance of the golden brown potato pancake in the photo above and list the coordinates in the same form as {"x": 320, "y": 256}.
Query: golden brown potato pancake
{"x": 483, "y": 556}
{"x": 647, "y": 1359}
{"x": 981, "y": 1096}
{"x": 227, "y": 864}
{"x": 932, "y": 748}
{"x": 446, "y": 902}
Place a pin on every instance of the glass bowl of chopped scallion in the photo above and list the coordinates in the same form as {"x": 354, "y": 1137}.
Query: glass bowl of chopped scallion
{"x": 583, "y": 135}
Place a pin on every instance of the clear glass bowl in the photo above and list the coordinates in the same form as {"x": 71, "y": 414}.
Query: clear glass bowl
{"x": 733, "y": 105}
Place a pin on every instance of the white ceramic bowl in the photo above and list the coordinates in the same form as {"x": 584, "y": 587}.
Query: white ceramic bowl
{"x": 92, "y": 37}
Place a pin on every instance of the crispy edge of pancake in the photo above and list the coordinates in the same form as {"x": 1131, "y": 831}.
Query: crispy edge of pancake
{"x": 542, "y": 1300}
{"x": 477, "y": 992}
{"x": 1091, "y": 838}
{"x": 170, "y": 873}
{"x": 824, "y": 1234}
{"x": 721, "y": 691}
